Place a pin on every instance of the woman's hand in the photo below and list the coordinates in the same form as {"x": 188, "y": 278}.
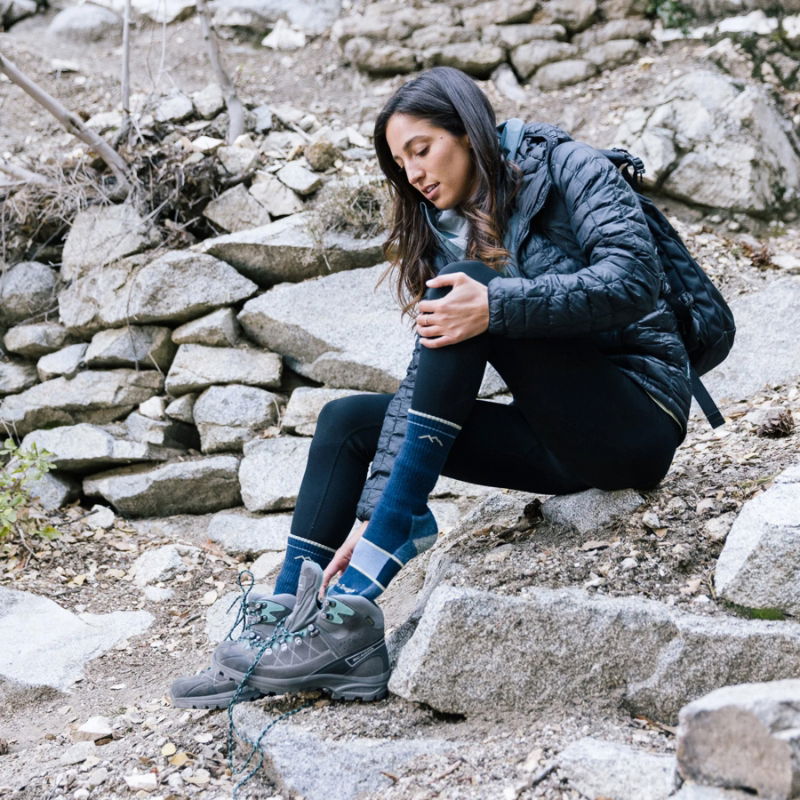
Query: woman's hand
{"x": 341, "y": 558}
{"x": 461, "y": 314}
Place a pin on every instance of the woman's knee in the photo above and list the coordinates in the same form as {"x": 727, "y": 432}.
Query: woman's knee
{"x": 476, "y": 270}
{"x": 342, "y": 417}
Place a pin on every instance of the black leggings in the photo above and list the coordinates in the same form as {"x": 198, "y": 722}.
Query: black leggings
{"x": 576, "y": 422}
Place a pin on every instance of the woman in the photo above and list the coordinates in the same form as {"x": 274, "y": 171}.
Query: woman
{"x": 514, "y": 246}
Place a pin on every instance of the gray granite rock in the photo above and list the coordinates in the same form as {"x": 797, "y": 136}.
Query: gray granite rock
{"x": 236, "y": 160}
{"x": 715, "y": 141}
{"x": 197, "y": 367}
{"x": 103, "y": 234}
{"x": 598, "y": 768}
{"x": 330, "y": 337}
{"x": 163, "y": 433}
{"x": 762, "y": 354}
{"x": 276, "y": 197}
{"x": 35, "y": 339}
{"x": 271, "y": 472}
{"x": 380, "y": 59}
{"x": 26, "y": 290}
{"x": 259, "y": 16}
{"x": 193, "y": 486}
{"x": 695, "y": 791}
{"x": 298, "y": 178}
{"x": 345, "y": 768}
{"x": 744, "y": 737}
{"x": 217, "y": 329}
{"x": 209, "y": 101}
{"x": 158, "y": 564}
{"x": 140, "y": 346}
{"x": 16, "y": 376}
{"x": 239, "y": 531}
{"x": 175, "y": 107}
{"x": 85, "y": 23}
{"x": 629, "y": 28}
{"x": 284, "y": 250}
{"x": 528, "y": 57}
{"x": 91, "y": 396}
{"x": 85, "y": 448}
{"x": 305, "y": 405}
{"x": 54, "y": 490}
{"x": 182, "y": 409}
{"x": 164, "y": 11}
{"x": 66, "y": 361}
{"x": 563, "y": 73}
{"x": 563, "y": 647}
{"x": 154, "y": 408}
{"x": 590, "y": 510}
{"x": 473, "y": 58}
{"x": 614, "y": 53}
{"x": 574, "y": 15}
{"x": 46, "y": 645}
{"x": 175, "y": 287}
{"x": 439, "y": 35}
{"x": 229, "y": 416}
{"x": 498, "y": 12}
{"x": 236, "y": 210}
{"x": 512, "y": 36}
{"x": 759, "y": 567}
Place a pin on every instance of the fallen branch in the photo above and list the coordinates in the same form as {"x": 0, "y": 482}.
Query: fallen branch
{"x": 232, "y": 101}
{"x": 72, "y": 122}
{"x": 24, "y": 175}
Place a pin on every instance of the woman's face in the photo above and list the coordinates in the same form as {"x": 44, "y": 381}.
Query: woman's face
{"x": 437, "y": 164}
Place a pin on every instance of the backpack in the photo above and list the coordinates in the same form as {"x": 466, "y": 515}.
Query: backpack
{"x": 705, "y": 322}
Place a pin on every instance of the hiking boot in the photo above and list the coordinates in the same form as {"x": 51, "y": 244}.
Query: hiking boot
{"x": 339, "y": 648}
{"x": 211, "y": 688}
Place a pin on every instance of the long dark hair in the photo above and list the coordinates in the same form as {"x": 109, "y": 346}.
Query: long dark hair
{"x": 449, "y": 99}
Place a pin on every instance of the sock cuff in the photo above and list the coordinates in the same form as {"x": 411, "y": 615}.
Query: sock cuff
{"x": 304, "y": 544}
{"x": 422, "y": 417}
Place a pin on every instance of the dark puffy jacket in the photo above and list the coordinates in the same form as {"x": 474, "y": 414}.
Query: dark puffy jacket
{"x": 583, "y": 265}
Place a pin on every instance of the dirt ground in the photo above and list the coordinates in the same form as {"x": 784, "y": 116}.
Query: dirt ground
{"x": 666, "y": 550}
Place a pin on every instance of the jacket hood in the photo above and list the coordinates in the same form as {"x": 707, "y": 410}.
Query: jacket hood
{"x": 521, "y": 141}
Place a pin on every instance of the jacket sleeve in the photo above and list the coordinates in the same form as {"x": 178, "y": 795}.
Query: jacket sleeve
{"x": 391, "y": 439}
{"x": 622, "y": 277}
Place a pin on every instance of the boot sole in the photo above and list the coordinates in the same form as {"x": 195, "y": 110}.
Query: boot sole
{"x": 218, "y": 700}
{"x": 340, "y": 687}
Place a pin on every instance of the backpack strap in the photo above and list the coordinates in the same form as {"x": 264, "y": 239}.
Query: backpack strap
{"x": 704, "y": 400}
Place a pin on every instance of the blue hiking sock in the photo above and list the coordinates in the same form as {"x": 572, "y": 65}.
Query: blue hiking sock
{"x": 402, "y": 525}
{"x": 298, "y": 549}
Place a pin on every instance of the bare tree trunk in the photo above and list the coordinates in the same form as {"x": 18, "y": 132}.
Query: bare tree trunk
{"x": 232, "y": 101}
{"x": 23, "y": 175}
{"x": 71, "y": 122}
{"x": 126, "y": 73}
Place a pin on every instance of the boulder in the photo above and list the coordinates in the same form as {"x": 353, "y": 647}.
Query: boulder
{"x": 590, "y": 510}
{"x": 164, "y": 433}
{"x": 565, "y": 647}
{"x": 208, "y": 102}
{"x": 35, "y": 339}
{"x": 305, "y": 405}
{"x": 12, "y": 11}
{"x": 85, "y": 23}
{"x": 271, "y": 472}
{"x": 175, "y": 287}
{"x": 614, "y": 53}
{"x": 103, "y": 234}
{"x": 439, "y": 35}
{"x": 574, "y": 15}
{"x": 284, "y": 37}
{"x": 197, "y": 367}
{"x": 217, "y": 329}
{"x": 340, "y": 330}
{"x": 66, "y": 361}
{"x": 762, "y": 354}
{"x": 730, "y": 147}
{"x": 260, "y": 16}
{"x": 26, "y": 290}
{"x": 193, "y": 486}
{"x": 239, "y": 531}
{"x": 345, "y": 768}
{"x": 164, "y": 11}
{"x": 285, "y": 250}
{"x": 380, "y": 59}
{"x": 512, "y": 36}
{"x": 236, "y": 210}
{"x": 16, "y": 376}
{"x": 91, "y": 396}
{"x": 563, "y": 73}
{"x": 597, "y": 768}
{"x": 89, "y": 448}
{"x": 744, "y": 737}
{"x": 638, "y": 29}
{"x": 46, "y": 645}
{"x": 140, "y": 346}
{"x": 759, "y": 567}
{"x": 298, "y": 178}
{"x": 182, "y": 409}
{"x": 497, "y": 12}
{"x": 473, "y": 58}
{"x": 527, "y": 58}
{"x": 276, "y": 197}
{"x": 54, "y": 490}
{"x": 229, "y": 416}
{"x": 236, "y": 160}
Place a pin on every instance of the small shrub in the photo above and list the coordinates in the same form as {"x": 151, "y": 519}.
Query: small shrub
{"x": 16, "y": 504}
{"x": 672, "y": 13}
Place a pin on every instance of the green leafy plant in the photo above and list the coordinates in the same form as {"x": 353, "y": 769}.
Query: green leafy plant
{"x": 672, "y": 13}
{"x": 22, "y": 467}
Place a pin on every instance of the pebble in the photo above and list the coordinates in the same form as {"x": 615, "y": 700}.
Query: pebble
{"x": 77, "y": 753}
{"x": 146, "y": 782}
{"x": 93, "y": 729}
{"x": 629, "y": 563}
{"x": 651, "y": 520}
{"x": 97, "y": 777}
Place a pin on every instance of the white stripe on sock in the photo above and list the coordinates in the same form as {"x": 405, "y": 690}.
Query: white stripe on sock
{"x": 309, "y": 541}
{"x": 436, "y": 419}
{"x": 368, "y": 577}
{"x": 384, "y": 552}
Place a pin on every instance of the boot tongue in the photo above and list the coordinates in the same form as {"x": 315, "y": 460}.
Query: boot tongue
{"x": 305, "y": 607}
